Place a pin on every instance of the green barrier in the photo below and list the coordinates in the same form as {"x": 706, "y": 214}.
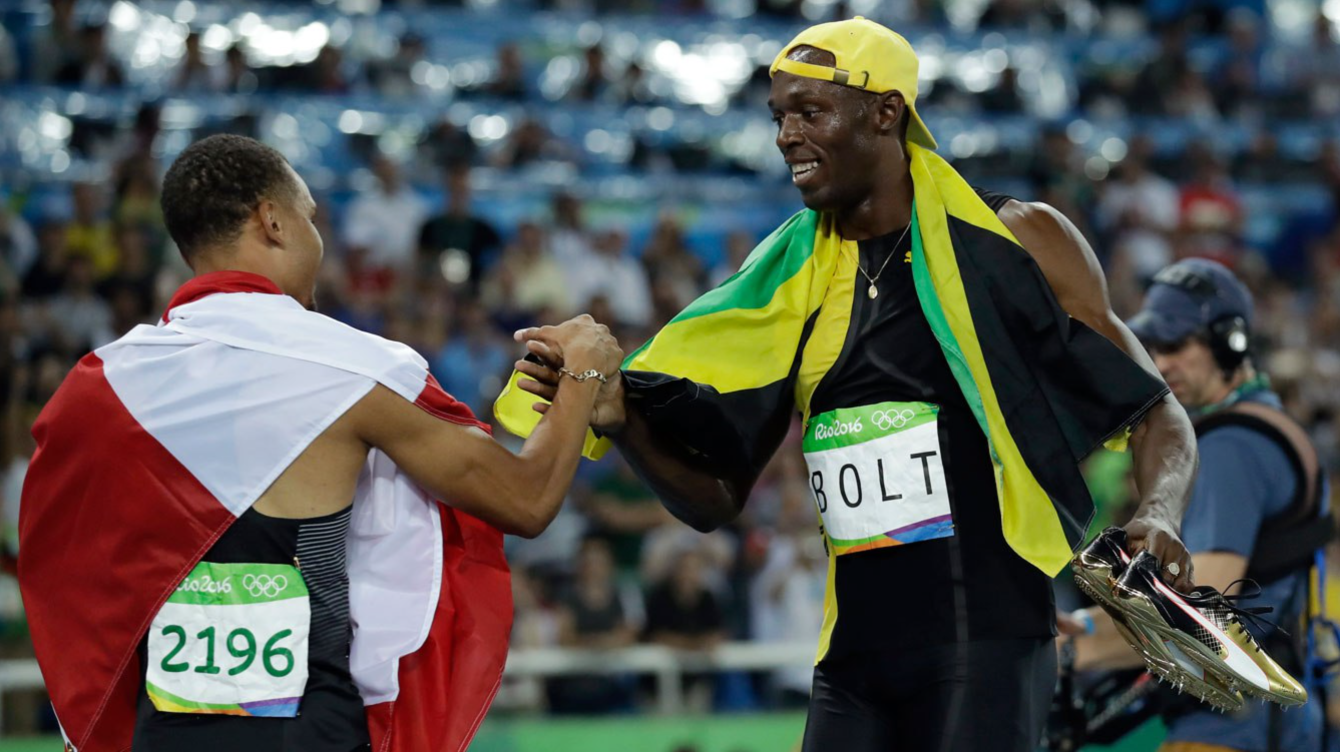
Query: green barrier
{"x": 762, "y": 732}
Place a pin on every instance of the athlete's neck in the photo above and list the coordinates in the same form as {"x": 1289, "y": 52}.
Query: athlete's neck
{"x": 243, "y": 259}
{"x": 887, "y": 207}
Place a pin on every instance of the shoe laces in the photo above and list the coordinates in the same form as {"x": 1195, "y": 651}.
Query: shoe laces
{"x": 1208, "y": 598}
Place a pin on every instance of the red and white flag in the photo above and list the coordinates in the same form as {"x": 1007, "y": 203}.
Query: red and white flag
{"x": 156, "y": 443}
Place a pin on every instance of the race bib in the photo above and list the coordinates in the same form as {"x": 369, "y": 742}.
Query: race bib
{"x": 878, "y": 476}
{"x": 232, "y": 640}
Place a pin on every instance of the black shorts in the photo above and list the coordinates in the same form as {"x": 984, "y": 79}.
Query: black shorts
{"x": 987, "y": 696}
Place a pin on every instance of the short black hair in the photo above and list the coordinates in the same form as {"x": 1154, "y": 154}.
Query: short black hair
{"x": 215, "y": 184}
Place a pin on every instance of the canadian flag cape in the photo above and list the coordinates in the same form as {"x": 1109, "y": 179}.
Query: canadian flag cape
{"x": 156, "y": 443}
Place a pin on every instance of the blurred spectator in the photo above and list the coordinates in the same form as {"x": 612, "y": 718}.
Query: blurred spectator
{"x": 567, "y": 236}
{"x": 593, "y": 82}
{"x": 46, "y": 276}
{"x": 1058, "y": 168}
{"x": 446, "y": 145}
{"x": 1139, "y": 211}
{"x": 633, "y": 87}
{"x": 1013, "y": 14}
{"x": 788, "y": 595}
{"x": 609, "y": 272}
{"x": 78, "y": 320}
{"x": 669, "y": 262}
{"x": 1211, "y": 215}
{"x": 592, "y": 615}
{"x": 531, "y": 142}
{"x": 9, "y": 57}
{"x": 139, "y": 141}
{"x": 1003, "y": 98}
{"x": 457, "y": 243}
{"x": 1237, "y": 79}
{"x": 738, "y": 245}
{"x": 92, "y": 67}
{"x": 666, "y": 544}
{"x": 779, "y": 8}
{"x": 51, "y": 46}
{"x": 89, "y": 234}
{"x": 137, "y": 202}
{"x": 682, "y": 612}
{"x": 527, "y": 285}
{"x": 1190, "y": 99}
{"x": 326, "y": 75}
{"x": 1261, "y": 162}
{"x": 136, "y": 271}
{"x": 394, "y": 77}
{"x": 623, "y": 510}
{"x": 1320, "y": 68}
{"x": 509, "y": 78}
{"x": 238, "y": 78}
{"x": 1156, "y": 84}
{"x": 474, "y": 361}
{"x": 18, "y": 244}
{"x": 385, "y": 220}
{"x": 534, "y": 625}
{"x": 194, "y": 75}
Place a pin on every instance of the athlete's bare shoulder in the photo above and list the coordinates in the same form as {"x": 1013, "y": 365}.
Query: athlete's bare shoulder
{"x": 1064, "y": 256}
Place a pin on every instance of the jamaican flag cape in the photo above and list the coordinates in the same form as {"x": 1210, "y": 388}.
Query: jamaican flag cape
{"x": 724, "y": 376}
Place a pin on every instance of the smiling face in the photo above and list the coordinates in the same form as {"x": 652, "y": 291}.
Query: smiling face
{"x": 832, "y": 137}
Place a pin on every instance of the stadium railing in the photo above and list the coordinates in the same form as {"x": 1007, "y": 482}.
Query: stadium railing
{"x": 668, "y": 666}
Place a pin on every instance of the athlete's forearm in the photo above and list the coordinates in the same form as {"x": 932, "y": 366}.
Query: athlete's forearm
{"x": 553, "y": 451}
{"x": 699, "y": 498}
{"x": 1164, "y": 459}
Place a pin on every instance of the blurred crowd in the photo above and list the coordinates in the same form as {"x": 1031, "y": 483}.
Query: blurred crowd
{"x": 413, "y": 254}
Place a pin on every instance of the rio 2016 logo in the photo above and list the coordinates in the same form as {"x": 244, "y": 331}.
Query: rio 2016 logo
{"x": 887, "y": 419}
{"x": 264, "y": 585}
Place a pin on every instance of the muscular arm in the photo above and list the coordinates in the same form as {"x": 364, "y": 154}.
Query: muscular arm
{"x": 467, "y": 469}
{"x": 702, "y": 498}
{"x": 518, "y": 494}
{"x": 698, "y": 497}
{"x": 1163, "y": 446}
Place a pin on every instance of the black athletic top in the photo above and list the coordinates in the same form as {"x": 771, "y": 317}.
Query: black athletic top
{"x": 330, "y": 715}
{"x": 970, "y": 586}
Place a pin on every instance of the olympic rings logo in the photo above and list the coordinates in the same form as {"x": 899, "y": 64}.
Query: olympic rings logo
{"x": 264, "y": 585}
{"x": 886, "y": 419}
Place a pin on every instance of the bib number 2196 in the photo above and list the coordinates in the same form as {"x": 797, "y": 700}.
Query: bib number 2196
{"x": 232, "y": 640}
{"x": 877, "y": 474}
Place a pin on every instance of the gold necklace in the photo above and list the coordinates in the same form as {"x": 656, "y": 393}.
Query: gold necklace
{"x": 873, "y": 292}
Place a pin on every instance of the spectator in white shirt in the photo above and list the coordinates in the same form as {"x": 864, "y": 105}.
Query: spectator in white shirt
{"x": 383, "y": 223}
{"x": 1140, "y": 211}
{"x": 609, "y": 272}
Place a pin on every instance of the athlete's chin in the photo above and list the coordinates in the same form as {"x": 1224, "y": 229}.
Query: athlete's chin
{"x": 817, "y": 199}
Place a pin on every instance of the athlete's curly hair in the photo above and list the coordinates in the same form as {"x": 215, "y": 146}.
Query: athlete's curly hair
{"x": 214, "y": 186}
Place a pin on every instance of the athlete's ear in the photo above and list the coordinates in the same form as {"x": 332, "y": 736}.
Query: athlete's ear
{"x": 889, "y": 112}
{"x": 267, "y": 213}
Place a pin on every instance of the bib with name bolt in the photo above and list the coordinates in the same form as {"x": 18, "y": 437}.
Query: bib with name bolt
{"x": 877, "y": 475}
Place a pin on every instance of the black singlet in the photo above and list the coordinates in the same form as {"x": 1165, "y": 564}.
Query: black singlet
{"x": 967, "y": 587}
{"x": 330, "y": 715}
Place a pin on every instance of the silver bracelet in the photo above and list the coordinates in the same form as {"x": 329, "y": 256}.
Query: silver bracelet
{"x": 580, "y": 377}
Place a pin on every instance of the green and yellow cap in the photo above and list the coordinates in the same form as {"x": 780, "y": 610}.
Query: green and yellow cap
{"x": 869, "y": 56}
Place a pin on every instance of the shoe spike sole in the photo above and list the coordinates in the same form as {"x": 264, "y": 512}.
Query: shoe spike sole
{"x": 1146, "y": 617}
{"x": 1157, "y": 660}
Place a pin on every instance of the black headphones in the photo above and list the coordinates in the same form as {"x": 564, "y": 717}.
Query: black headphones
{"x": 1229, "y": 337}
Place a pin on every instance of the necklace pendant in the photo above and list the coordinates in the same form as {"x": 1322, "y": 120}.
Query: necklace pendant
{"x": 872, "y": 292}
